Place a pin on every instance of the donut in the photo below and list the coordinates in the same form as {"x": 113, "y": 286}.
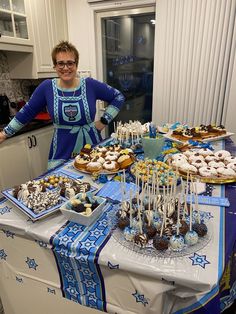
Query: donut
{"x": 211, "y": 157}
{"x": 124, "y": 161}
{"x": 195, "y": 156}
{"x": 189, "y": 152}
{"x": 205, "y": 151}
{"x": 81, "y": 162}
{"x": 232, "y": 165}
{"x": 229, "y": 159}
{"x": 216, "y": 164}
{"x": 198, "y": 163}
{"x": 188, "y": 168}
{"x": 179, "y": 156}
{"x": 93, "y": 166}
{"x": 222, "y": 154}
{"x": 111, "y": 165}
{"x": 177, "y": 163}
{"x": 225, "y": 171}
{"x": 207, "y": 171}
{"x": 101, "y": 160}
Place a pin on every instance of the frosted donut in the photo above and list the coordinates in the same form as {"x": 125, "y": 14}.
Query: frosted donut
{"x": 112, "y": 153}
{"x": 222, "y": 154}
{"x": 229, "y": 159}
{"x": 211, "y": 158}
{"x": 224, "y": 171}
{"x": 195, "y": 156}
{"x": 101, "y": 160}
{"x": 189, "y": 152}
{"x": 179, "y": 156}
{"x": 188, "y": 168}
{"x": 111, "y": 157}
{"x": 93, "y": 166}
{"x": 101, "y": 149}
{"x": 232, "y": 165}
{"x": 111, "y": 165}
{"x": 216, "y": 164}
{"x": 207, "y": 171}
{"x": 205, "y": 151}
{"x": 198, "y": 163}
{"x": 177, "y": 163}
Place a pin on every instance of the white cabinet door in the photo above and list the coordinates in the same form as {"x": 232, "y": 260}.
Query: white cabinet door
{"x": 38, "y": 153}
{"x": 24, "y": 157}
{"x": 14, "y": 166}
{"x": 49, "y": 26}
{"x": 15, "y": 27}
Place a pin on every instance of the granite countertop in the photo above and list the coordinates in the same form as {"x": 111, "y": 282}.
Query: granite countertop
{"x": 33, "y": 125}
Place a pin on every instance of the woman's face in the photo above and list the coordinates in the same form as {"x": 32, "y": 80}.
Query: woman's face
{"x": 65, "y": 66}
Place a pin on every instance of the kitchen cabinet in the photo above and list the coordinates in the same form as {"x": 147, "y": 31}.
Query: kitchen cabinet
{"x": 49, "y": 26}
{"x": 24, "y": 157}
{"x": 15, "y": 32}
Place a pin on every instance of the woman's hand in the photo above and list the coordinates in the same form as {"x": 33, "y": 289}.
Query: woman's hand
{"x": 2, "y": 137}
{"x": 99, "y": 125}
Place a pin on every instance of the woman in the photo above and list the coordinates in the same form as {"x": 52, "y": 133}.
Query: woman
{"x": 71, "y": 103}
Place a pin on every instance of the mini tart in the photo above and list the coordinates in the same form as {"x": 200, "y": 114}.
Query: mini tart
{"x": 111, "y": 165}
{"x": 93, "y": 166}
{"x": 81, "y": 162}
{"x": 125, "y": 161}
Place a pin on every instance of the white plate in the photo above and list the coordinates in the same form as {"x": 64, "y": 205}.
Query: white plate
{"x": 206, "y": 140}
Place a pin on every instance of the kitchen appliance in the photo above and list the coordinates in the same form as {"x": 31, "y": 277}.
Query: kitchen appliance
{"x": 4, "y": 109}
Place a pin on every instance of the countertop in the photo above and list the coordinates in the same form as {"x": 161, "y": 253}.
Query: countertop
{"x": 33, "y": 125}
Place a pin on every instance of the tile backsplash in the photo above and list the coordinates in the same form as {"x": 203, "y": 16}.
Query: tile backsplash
{"x": 15, "y": 90}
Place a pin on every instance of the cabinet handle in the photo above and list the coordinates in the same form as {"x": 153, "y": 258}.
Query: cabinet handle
{"x": 0, "y": 34}
{"x": 30, "y": 144}
{"x": 34, "y": 141}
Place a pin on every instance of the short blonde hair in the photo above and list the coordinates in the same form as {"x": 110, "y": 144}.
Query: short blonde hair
{"x": 64, "y": 46}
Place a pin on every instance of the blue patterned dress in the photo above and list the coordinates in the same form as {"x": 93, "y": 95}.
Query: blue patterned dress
{"x": 72, "y": 112}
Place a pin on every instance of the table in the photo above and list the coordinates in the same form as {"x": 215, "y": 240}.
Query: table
{"x": 54, "y": 265}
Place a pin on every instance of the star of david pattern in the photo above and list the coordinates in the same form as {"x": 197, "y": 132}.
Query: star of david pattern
{"x": 31, "y": 263}
{"x": 41, "y": 243}
{"x": 81, "y": 277}
{"x": 5, "y": 209}
{"x": 199, "y": 260}
{"x": 226, "y": 301}
{"x": 3, "y": 255}
{"x": 9, "y": 234}
{"x": 140, "y": 298}
{"x": 111, "y": 266}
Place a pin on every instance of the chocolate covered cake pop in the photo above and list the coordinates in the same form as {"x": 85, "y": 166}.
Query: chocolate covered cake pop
{"x": 160, "y": 243}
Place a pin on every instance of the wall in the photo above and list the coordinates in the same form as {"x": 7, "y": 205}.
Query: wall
{"x": 15, "y": 90}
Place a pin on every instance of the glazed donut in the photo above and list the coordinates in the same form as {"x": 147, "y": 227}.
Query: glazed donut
{"x": 189, "y": 152}
{"x": 207, "y": 171}
{"x": 177, "y": 163}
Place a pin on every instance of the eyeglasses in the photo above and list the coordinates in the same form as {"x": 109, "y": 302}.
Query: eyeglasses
{"x": 61, "y": 64}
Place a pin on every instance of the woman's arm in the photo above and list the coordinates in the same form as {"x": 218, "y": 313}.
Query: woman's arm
{"x": 35, "y": 104}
